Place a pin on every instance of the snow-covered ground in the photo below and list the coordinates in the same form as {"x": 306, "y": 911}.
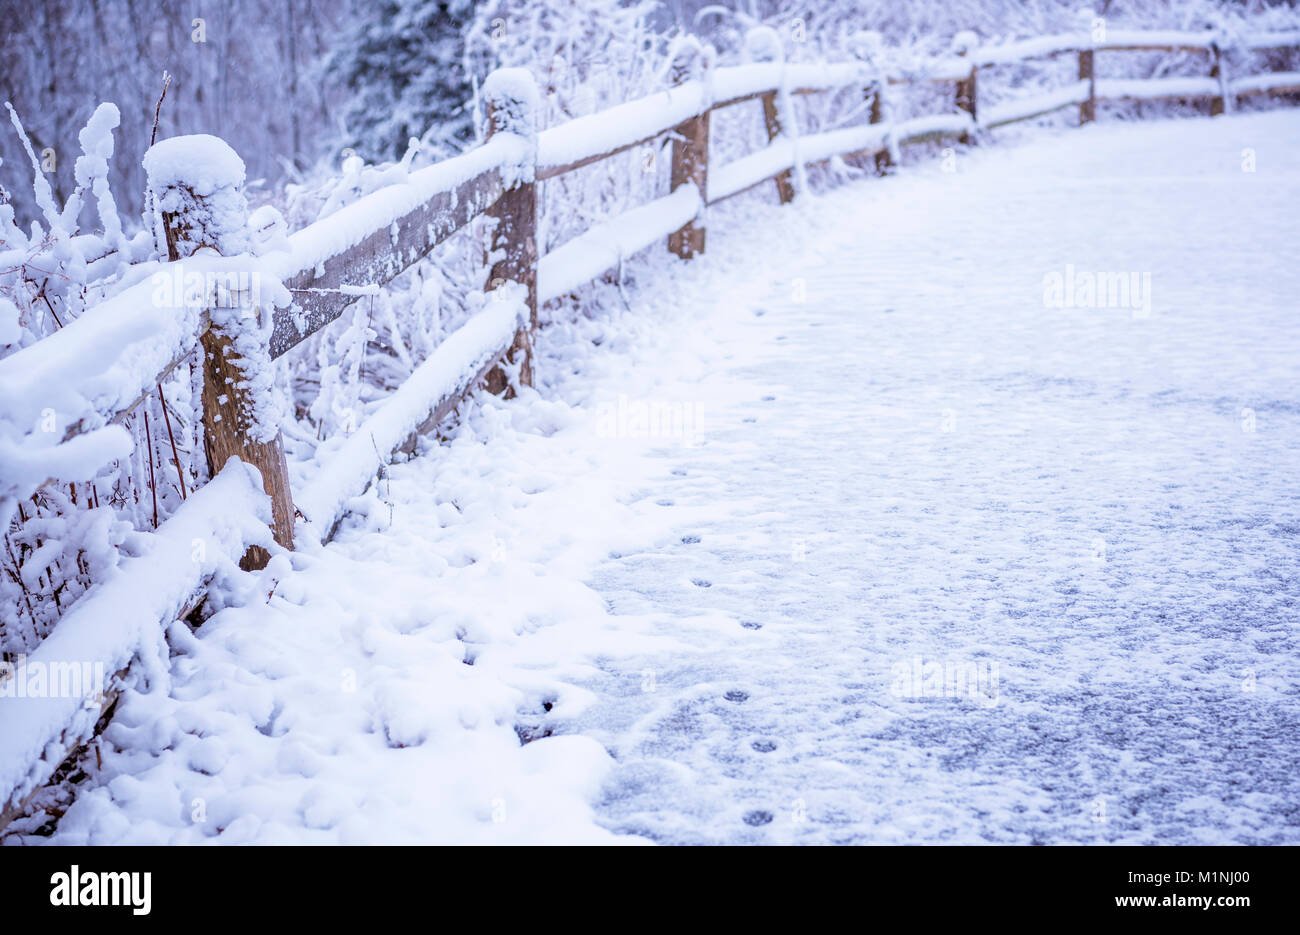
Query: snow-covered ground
{"x": 873, "y": 447}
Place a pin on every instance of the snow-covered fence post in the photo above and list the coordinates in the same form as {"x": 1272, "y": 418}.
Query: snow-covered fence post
{"x": 511, "y": 96}
{"x": 1087, "y": 72}
{"x": 763, "y": 44}
{"x": 962, "y": 45}
{"x": 196, "y": 189}
{"x": 691, "y": 146}
{"x": 1219, "y": 105}
{"x": 868, "y": 48}
{"x": 880, "y": 114}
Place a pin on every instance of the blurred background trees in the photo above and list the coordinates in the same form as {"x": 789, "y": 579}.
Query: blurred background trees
{"x": 292, "y": 84}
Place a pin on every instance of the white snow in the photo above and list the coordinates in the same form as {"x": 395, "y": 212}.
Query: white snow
{"x": 604, "y": 246}
{"x": 349, "y": 466}
{"x": 102, "y": 363}
{"x": 1272, "y": 40}
{"x": 94, "y": 366}
{"x": 918, "y": 128}
{"x": 269, "y": 229}
{"x": 1255, "y": 84}
{"x": 199, "y": 161}
{"x": 331, "y": 236}
{"x": 740, "y": 81}
{"x": 869, "y": 138}
{"x": 1010, "y": 53}
{"x": 1129, "y": 38}
{"x": 125, "y": 616}
{"x": 908, "y": 456}
{"x": 511, "y": 95}
{"x": 1038, "y": 47}
{"x": 1145, "y": 89}
{"x": 1033, "y": 105}
{"x": 91, "y": 170}
{"x": 621, "y": 125}
{"x": 736, "y": 176}
{"x": 891, "y": 449}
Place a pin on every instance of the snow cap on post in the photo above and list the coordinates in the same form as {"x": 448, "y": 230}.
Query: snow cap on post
{"x": 198, "y": 181}
{"x": 511, "y": 96}
{"x": 690, "y": 60}
{"x": 1092, "y": 25}
{"x": 868, "y": 47}
{"x": 763, "y": 44}
{"x": 965, "y": 42}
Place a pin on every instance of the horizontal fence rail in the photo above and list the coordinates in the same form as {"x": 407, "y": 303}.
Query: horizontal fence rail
{"x": 329, "y": 264}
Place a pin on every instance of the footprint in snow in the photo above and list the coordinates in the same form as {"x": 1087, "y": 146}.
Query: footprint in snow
{"x": 690, "y": 540}
{"x": 736, "y": 696}
{"x": 751, "y": 625}
{"x": 763, "y": 746}
{"x": 758, "y": 817}
{"x": 701, "y": 583}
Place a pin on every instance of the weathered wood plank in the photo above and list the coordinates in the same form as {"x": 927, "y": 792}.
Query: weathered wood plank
{"x": 1087, "y": 72}
{"x": 319, "y": 293}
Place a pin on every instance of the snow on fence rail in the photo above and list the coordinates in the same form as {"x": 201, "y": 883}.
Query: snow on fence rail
{"x": 100, "y": 366}
{"x": 58, "y": 694}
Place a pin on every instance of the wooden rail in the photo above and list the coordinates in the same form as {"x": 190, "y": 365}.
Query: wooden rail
{"x": 374, "y": 239}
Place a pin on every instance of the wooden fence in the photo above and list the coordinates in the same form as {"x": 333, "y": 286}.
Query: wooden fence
{"x": 377, "y": 237}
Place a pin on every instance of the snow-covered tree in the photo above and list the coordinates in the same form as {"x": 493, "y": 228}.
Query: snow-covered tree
{"x": 400, "y": 63}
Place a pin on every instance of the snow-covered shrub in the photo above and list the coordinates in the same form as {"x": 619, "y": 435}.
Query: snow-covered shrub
{"x": 60, "y": 537}
{"x": 586, "y": 55}
{"x": 400, "y": 63}
{"x": 333, "y": 377}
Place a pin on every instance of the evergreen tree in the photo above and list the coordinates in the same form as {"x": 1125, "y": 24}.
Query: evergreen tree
{"x": 401, "y": 63}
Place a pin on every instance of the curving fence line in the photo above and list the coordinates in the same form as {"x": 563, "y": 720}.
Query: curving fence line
{"x": 328, "y": 264}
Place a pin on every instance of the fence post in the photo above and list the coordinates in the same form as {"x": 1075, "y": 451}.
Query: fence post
{"x": 868, "y": 48}
{"x": 967, "y": 94}
{"x": 196, "y": 186}
{"x": 1088, "y": 108}
{"x": 763, "y": 44}
{"x": 880, "y": 114}
{"x": 691, "y": 148}
{"x": 511, "y": 96}
{"x": 1221, "y": 104}
{"x": 772, "y": 120}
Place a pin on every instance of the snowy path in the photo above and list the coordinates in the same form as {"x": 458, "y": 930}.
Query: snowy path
{"x": 891, "y": 451}
{"x": 922, "y": 461}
